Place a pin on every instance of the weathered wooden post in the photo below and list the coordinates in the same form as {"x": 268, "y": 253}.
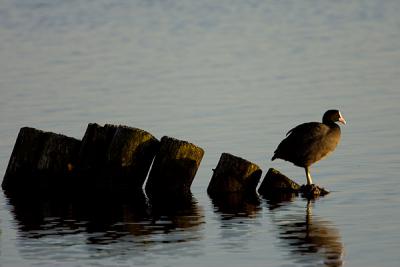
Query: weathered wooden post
{"x": 130, "y": 156}
{"x": 174, "y": 167}
{"x": 117, "y": 156}
{"x": 276, "y": 183}
{"x": 234, "y": 175}
{"x": 41, "y": 159}
{"x": 94, "y": 150}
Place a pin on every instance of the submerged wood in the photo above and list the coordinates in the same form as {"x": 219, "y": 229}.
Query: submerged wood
{"x": 174, "y": 167}
{"x": 234, "y": 174}
{"x": 275, "y": 183}
{"x": 39, "y": 159}
{"x": 109, "y": 156}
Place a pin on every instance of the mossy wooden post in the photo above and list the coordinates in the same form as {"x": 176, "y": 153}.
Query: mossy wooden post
{"x": 234, "y": 175}
{"x": 174, "y": 167}
{"x": 276, "y": 183}
{"x": 116, "y": 156}
{"x": 40, "y": 159}
{"x": 130, "y": 156}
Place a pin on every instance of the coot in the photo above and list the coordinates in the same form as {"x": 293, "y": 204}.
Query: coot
{"x": 309, "y": 142}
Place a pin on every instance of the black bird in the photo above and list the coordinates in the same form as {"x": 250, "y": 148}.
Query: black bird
{"x": 309, "y": 142}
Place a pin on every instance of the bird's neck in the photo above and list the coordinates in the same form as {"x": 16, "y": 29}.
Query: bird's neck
{"x": 331, "y": 124}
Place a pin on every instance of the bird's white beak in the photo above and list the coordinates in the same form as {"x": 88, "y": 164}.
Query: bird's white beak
{"x": 341, "y": 119}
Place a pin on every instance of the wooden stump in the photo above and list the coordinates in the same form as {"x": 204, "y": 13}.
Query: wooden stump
{"x": 234, "y": 174}
{"x": 313, "y": 191}
{"x": 130, "y": 156}
{"x": 276, "y": 183}
{"x": 94, "y": 150}
{"x": 40, "y": 159}
{"x": 174, "y": 167}
{"x": 117, "y": 156}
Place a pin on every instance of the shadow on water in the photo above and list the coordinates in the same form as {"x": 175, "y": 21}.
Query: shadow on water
{"x": 309, "y": 239}
{"x": 120, "y": 223}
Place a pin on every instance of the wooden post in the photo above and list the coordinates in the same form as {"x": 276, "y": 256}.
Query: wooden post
{"x": 94, "y": 150}
{"x": 174, "y": 167}
{"x": 130, "y": 156}
{"x": 234, "y": 174}
{"x": 117, "y": 156}
{"x": 276, "y": 183}
{"x": 40, "y": 159}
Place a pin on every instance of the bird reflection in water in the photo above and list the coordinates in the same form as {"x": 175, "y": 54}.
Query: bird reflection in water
{"x": 109, "y": 218}
{"x": 310, "y": 239}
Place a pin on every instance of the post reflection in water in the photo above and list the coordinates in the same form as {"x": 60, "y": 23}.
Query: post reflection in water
{"x": 233, "y": 205}
{"x": 309, "y": 239}
{"x": 238, "y": 213}
{"x": 121, "y": 224}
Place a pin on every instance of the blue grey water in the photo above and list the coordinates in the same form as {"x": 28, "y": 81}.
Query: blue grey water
{"x": 230, "y": 76}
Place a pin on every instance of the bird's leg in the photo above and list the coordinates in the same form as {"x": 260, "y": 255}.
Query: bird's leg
{"x": 309, "y": 180}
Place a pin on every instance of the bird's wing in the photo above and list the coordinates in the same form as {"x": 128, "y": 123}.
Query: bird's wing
{"x": 302, "y": 136}
{"x": 308, "y": 133}
{"x": 308, "y": 130}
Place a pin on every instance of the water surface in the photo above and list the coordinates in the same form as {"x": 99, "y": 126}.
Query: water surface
{"x": 229, "y": 76}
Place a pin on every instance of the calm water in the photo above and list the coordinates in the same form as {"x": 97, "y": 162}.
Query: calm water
{"x": 229, "y": 76}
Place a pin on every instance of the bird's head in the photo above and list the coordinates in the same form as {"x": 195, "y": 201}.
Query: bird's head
{"x": 333, "y": 115}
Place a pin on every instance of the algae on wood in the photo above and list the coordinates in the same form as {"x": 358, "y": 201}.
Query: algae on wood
{"x": 130, "y": 156}
{"x": 174, "y": 167}
{"x": 234, "y": 174}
